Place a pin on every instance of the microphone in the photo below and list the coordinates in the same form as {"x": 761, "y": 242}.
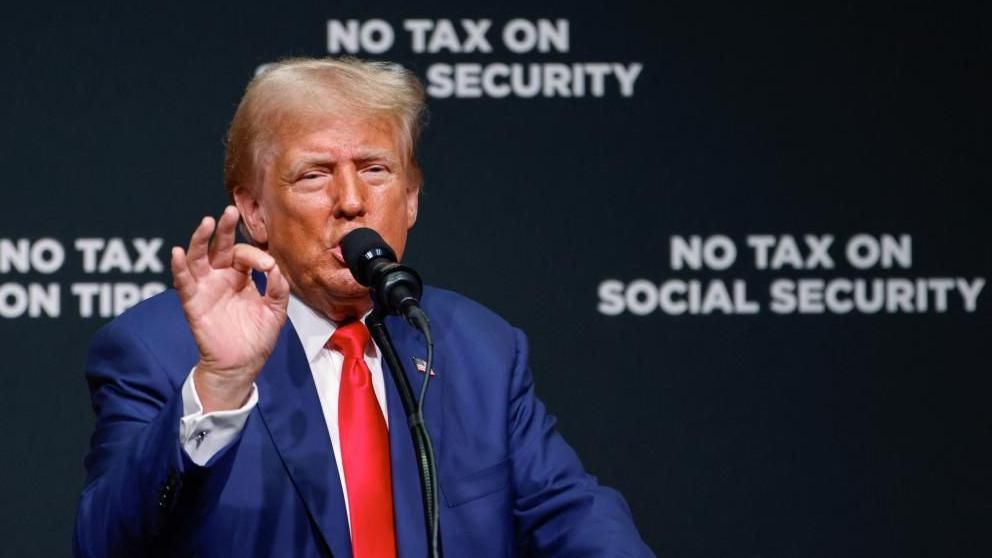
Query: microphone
{"x": 396, "y": 288}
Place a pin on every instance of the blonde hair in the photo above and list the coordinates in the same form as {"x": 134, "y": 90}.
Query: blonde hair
{"x": 286, "y": 90}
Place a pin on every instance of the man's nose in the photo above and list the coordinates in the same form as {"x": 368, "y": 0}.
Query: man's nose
{"x": 349, "y": 193}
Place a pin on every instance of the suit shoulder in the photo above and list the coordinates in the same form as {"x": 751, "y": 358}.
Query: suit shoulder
{"x": 450, "y": 304}
{"x": 149, "y": 345}
{"x": 158, "y": 318}
{"x": 449, "y": 309}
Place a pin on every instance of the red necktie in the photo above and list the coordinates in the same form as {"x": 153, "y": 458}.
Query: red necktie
{"x": 364, "y": 449}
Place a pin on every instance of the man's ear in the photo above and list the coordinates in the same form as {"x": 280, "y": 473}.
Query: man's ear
{"x": 252, "y": 215}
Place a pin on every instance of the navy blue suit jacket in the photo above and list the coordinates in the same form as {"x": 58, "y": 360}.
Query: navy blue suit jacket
{"x": 510, "y": 484}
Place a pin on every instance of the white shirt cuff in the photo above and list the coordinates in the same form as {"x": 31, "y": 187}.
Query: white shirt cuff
{"x": 204, "y": 435}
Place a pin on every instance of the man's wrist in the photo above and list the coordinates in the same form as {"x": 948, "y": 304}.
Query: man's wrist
{"x": 221, "y": 392}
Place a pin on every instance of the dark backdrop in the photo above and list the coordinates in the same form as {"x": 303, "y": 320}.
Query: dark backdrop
{"x": 764, "y": 434}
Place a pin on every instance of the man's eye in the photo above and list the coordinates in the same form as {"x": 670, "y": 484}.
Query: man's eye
{"x": 312, "y": 176}
{"x": 377, "y": 174}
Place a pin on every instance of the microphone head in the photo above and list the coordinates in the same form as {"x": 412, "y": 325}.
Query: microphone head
{"x": 359, "y": 248}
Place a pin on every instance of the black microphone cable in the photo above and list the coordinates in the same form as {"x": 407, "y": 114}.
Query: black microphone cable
{"x": 396, "y": 289}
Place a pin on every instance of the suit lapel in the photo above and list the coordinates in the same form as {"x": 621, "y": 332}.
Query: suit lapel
{"x": 411, "y": 535}
{"x": 291, "y": 410}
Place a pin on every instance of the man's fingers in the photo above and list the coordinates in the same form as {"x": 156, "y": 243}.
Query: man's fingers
{"x": 276, "y": 289}
{"x": 182, "y": 279}
{"x": 196, "y": 255}
{"x": 247, "y": 257}
{"x": 222, "y": 248}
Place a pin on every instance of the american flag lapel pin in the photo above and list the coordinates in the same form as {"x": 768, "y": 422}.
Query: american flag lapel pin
{"x": 421, "y": 365}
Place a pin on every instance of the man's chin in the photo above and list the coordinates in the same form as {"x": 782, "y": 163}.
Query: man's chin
{"x": 339, "y": 294}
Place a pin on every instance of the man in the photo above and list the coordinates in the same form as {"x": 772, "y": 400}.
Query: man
{"x": 224, "y": 429}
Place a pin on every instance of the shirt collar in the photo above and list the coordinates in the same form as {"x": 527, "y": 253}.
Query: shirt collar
{"x": 314, "y": 330}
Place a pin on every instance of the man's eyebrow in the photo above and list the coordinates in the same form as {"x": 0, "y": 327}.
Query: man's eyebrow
{"x": 375, "y": 154}
{"x": 326, "y": 160}
{"x": 319, "y": 160}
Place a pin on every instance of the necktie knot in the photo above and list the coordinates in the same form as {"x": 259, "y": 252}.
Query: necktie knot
{"x": 351, "y": 339}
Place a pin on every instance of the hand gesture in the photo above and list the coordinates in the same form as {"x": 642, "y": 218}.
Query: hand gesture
{"x": 234, "y": 326}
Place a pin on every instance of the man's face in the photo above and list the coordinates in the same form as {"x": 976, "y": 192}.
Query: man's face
{"x": 323, "y": 179}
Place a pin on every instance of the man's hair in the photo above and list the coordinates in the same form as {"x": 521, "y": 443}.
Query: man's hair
{"x": 283, "y": 92}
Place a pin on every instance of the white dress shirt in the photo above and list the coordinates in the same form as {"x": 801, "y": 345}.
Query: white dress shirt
{"x": 204, "y": 435}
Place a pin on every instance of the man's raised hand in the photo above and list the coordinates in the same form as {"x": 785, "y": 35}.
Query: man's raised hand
{"x": 234, "y": 326}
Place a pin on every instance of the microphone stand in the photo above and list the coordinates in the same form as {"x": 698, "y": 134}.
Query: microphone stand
{"x": 418, "y": 429}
